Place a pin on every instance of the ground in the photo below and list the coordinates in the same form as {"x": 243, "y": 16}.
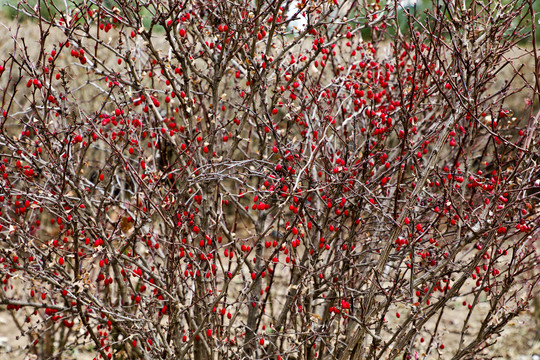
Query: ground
{"x": 518, "y": 342}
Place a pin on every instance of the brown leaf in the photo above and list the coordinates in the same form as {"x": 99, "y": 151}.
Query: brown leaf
{"x": 125, "y": 224}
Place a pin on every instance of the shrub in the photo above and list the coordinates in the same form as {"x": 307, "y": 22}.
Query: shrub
{"x": 238, "y": 186}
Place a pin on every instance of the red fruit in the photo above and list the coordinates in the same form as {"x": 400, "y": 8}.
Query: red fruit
{"x": 61, "y": 261}
{"x": 209, "y": 332}
{"x": 182, "y": 32}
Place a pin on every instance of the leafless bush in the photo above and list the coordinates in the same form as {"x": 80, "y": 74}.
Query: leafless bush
{"x": 223, "y": 183}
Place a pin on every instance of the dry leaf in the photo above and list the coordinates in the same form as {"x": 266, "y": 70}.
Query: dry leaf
{"x": 125, "y": 224}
